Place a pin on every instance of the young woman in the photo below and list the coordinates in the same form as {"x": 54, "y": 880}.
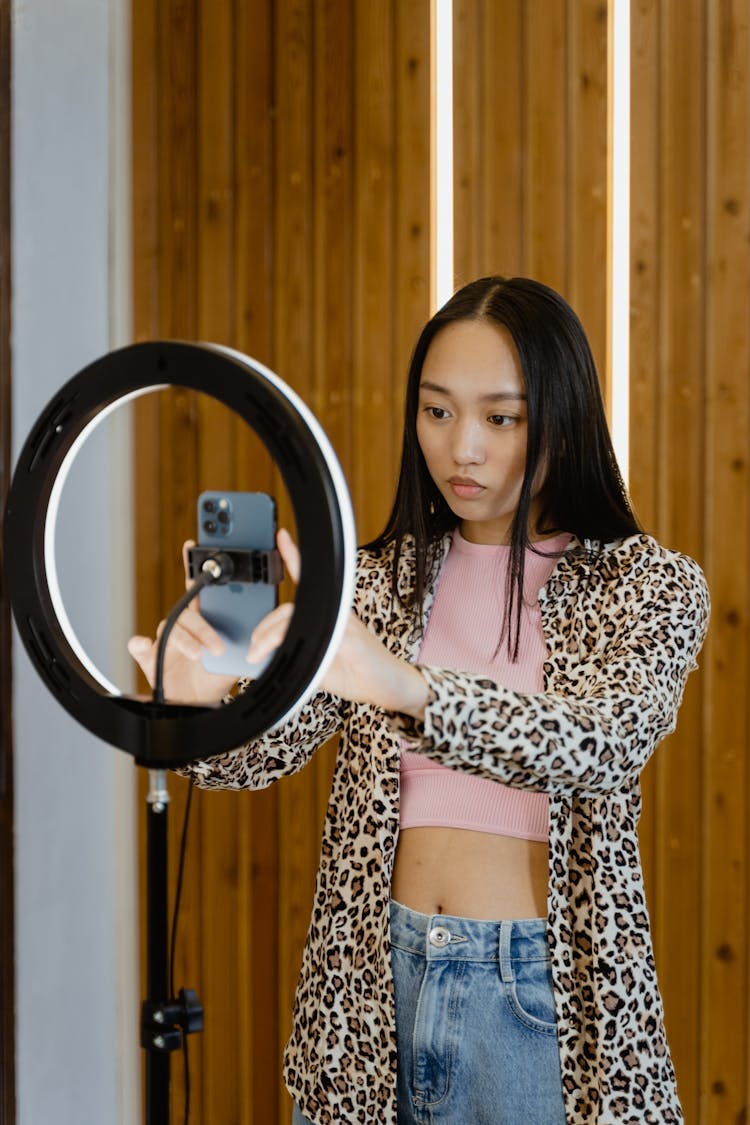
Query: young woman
{"x": 479, "y": 946}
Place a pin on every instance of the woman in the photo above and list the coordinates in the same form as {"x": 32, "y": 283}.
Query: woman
{"x": 479, "y": 946}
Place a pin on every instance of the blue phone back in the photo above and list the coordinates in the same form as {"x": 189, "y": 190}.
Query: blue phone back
{"x": 245, "y": 521}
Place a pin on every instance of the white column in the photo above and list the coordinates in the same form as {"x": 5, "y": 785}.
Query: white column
{"x": 77, "y": 990}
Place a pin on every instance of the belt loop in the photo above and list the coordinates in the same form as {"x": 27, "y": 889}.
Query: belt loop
{"x": 506, "y": 968}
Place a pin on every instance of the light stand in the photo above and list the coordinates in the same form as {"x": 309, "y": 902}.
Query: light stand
{"x": 164, "y": 1019}
{"x": 160, "y": 735}
{"x": 159, "y": 1034}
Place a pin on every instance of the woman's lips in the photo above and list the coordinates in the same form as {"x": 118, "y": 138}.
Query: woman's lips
{"x": 465, "y": 488}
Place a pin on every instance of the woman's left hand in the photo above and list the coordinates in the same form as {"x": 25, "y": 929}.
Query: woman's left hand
{"x": 363, "y": 670}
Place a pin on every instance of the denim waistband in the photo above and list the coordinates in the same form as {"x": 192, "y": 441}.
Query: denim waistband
{"x": 446, "y": 937}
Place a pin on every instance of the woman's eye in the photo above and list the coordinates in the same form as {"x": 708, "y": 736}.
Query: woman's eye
{"x": 437, "y": 412}
{"x": 501, "y": 419}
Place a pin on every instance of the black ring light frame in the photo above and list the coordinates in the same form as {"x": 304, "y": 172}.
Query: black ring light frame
{"x": 165, "y": 736}
{"x": 160, "y": 735}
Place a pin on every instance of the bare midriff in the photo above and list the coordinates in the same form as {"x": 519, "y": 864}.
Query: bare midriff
{"x": 470, "y": 874}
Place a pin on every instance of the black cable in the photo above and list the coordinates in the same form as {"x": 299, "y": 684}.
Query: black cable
{"x": 203, "y": 579}
{"x": 173, "y": 939}
{"x": 178, "y": 887}
{"x": 212, "y": 571}
{"x": 186, "y": 1070}
{"x": 217, "y": 568}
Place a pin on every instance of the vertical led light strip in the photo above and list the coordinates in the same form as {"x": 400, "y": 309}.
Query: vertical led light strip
{"x": 619, "y": 233}
{"x": 442, "y": 103}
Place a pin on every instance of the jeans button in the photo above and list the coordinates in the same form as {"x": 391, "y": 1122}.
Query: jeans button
{"x": 439, "y": 936}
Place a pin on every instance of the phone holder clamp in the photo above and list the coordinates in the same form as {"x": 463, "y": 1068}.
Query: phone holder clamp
{"x": 264, "y": 567}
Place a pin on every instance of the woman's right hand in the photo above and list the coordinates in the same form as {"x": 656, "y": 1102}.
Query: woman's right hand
{"x": 185, "y": 678}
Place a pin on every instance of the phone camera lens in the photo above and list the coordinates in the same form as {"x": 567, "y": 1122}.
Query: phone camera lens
{"x": 209, "y": 506}
{"x": 223, "y": 517}
{"x": 209, "y": 526}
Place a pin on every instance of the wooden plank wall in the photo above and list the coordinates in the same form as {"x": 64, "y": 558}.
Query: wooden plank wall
{"x": 690, "y": 403}
{"x": 530, "y": 184}
{"x": 281, "y": 206}
{"x": 530, "y": 147}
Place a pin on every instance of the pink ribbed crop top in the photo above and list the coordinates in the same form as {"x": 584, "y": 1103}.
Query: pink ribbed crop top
{"x": 462, "y": 632}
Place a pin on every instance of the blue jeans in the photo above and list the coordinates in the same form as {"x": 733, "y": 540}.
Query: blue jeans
{"x": 475, "y": 1022}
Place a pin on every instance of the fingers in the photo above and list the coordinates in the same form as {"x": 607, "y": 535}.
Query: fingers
{"x": 190, "y": 633}
{"x": 289, "y": 553}
{"x": 270, "y": 633}
{"x": 193, "y": 631}
{"x": 144, "y": 653}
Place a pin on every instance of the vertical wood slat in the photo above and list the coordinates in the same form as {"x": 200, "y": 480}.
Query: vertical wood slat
{"x": 374, "y": 264}
{"x": 645, "y": 317}
{"x": 693, "y": 829}
{"x": 690, "y": 285}
{"x": 489, "y": 138}
{"x": 333, "y": 220}
{"x": 145, "y": 109}
{"x": 725, "y": 780}
{"x": 644, "y": 253}
{"x": 412, "y": 189}
{"x": 216, "y": 240}
{"x": 164, "y": 277}
{"x": 293, "y": 343}
{"x": 586, "y": 217}
{"x": 177, "y": 136}
{"x": 530, "y": 133}
{"x": 219, "y": 860}
{"x": 545, "y": 98}
{"x": 668, "y": 464}
{"x": 333, "y": 251}
{"x": 467, "y": 203}
{"x": 145, "y": 173}
{"x": 667, "y": 394}
{"x": 257, "y": 1012}
{"x": 145, "y": 302}
{"x": 249, "y": 224}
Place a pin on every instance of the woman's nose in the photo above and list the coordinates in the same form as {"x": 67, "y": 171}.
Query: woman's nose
{"x": 468, "y": 446}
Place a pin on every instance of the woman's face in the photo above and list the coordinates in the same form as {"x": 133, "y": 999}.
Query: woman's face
{"x": 471, "y": 426}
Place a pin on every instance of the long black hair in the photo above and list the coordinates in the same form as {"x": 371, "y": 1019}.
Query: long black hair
{"x": 567, "y": 434}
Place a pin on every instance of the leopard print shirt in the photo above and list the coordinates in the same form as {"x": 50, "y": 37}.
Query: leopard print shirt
{"x": 623, "y": 625}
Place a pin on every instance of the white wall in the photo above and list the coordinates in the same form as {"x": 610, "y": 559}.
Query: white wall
{"x": 76, "y": 954}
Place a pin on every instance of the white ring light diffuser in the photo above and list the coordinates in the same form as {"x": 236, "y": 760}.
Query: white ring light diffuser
{"x": 163, "y": 735}
{"x": 50, "y": 529}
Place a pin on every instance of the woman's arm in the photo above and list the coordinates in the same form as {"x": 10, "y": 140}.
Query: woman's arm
{"x": 592, "y": 734}
{"x": 364, "y": 671}
{"x": 597, "y": 737}
{"x": 279, "y": 753}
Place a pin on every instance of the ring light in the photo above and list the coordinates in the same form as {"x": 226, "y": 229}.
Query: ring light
{"x": 157, "y": 735}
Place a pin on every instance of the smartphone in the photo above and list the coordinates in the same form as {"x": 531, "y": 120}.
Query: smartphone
{"x": 239, "y": 521}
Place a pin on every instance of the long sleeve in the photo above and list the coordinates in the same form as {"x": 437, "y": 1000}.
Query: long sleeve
{"x": 282, "y": 751}
{"x": 594, "y": 728}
